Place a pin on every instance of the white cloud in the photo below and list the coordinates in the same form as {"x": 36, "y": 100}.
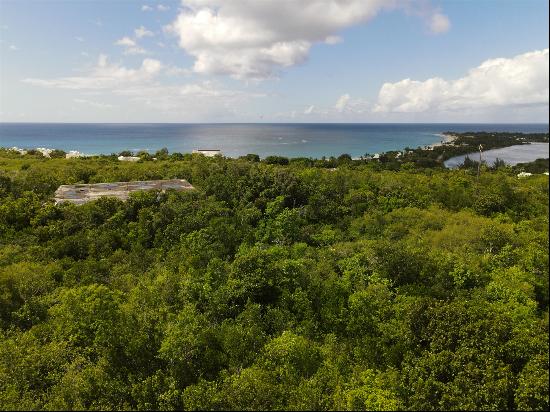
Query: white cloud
{"x": 97, "y": 105}
{"x": 503, "y": 82}
{"x": 143, "y": 93}
{"x": 309, "y": 109}
{"x": 131, "y": 46}
{"x": 439, "y": 23}
{"x": 146, "y": 8}
{"x": 143, "y": 32}
{"x": 104, "y": 76}
{"x": 254, "y": 39}
{"x": 342, "y": 102}
{"x": 125, "y": 41}
{"x": 162, "y": 7}
{"x": 135, "y": 50}
{"x": 205, "y": 100}
{"x": 178, "y": 71}
{"x": 78, "y": 38}
{"x": 13, "y": 47}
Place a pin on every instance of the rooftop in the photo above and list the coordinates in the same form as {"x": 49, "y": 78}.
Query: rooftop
{"x": 83, "y": 193}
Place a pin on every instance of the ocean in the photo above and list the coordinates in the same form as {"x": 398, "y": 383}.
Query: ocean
{"x": 234, "y": 139}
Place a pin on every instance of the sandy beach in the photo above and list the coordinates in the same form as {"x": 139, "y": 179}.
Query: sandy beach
{"x": 446, "y": 138}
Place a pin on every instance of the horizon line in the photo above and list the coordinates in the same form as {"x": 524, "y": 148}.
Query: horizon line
{"x": 285, "y": 123}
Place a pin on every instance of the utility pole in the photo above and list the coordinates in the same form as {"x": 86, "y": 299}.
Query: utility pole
{"x": 479, "y": 164}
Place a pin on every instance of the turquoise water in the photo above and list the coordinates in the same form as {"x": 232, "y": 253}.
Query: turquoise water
{"x": 511, "y": 155}
{"x": 292, "y": 140}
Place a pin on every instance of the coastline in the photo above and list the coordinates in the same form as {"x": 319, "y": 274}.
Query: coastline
{"x": 447, "y": 139}
{"x": 294, "y": 140}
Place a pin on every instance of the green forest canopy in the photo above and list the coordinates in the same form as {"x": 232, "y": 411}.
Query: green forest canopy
{"x": 273, "y": 286}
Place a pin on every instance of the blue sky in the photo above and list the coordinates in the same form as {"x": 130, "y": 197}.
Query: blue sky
{"x": 274, "y": 61}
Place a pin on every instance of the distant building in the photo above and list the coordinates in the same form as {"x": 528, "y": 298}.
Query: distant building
{"x": 72, "y": 154}
{"x": 208, "y": 152}
{"x": 525, "y": 174}
{"x": 83, "y": 193}
{"x": 45, "y": 151}
{"x": 18, "y": 150}
{"x": 128, "y": 158}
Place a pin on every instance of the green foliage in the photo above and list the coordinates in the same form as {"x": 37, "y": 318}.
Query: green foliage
{"x": 301, "y": 284}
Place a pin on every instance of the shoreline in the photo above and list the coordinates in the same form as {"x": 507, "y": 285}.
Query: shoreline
{"x": 447, "y": 139}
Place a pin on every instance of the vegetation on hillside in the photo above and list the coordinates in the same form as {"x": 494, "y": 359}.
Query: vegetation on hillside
{"x": 273, "y": 285}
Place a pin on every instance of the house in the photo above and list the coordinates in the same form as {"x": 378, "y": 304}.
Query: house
{"x": 45, "y": 151}
{"x": 208, "y": 152}
{"x": 128, "y": 158}
{"x": 18, "y": 150}
{"x": 72, "y": 154}
{"x": 524, "y": 174}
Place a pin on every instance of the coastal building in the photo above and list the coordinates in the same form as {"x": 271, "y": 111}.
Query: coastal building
{"x": 128, "y": 158}
{"x": 45, "y": 151}
{"x": 18, "y": 150}
{"x": 83, "y": 193}
{"x": 208, "y": 152}
{"x": 73, "y": 154}
{"x": 525, "y": 174}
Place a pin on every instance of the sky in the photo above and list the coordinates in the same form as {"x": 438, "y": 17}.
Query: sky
{"x": 202, "y": 61}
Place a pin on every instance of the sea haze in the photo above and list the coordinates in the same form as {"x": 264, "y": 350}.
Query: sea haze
{"x": 234, "y": 139}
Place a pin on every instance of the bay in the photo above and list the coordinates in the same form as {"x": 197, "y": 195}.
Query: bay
{"x": 511, "y": 155}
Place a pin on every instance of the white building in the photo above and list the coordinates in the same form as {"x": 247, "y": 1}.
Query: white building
{"x": 18, "y": 150}
{"x": 128, "y": 158}
{"x": 73, "y": 153}
{"x": 45, "y": 151}
{"x": 525, "y": 174}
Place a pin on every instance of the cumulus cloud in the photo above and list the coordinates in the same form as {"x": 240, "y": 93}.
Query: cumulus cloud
{"x": 518, "y": 81}
{"x": 104, "y": 75}
{"x": 146, "y": 8}
{"x": 125, "y": 41}
{"x": 254, "y": 39}
{"x": 143, "y": 32}
{"x": 130, "y": 45}
{"x": 342, "y": 102}
{"x": 162, "y": 7}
